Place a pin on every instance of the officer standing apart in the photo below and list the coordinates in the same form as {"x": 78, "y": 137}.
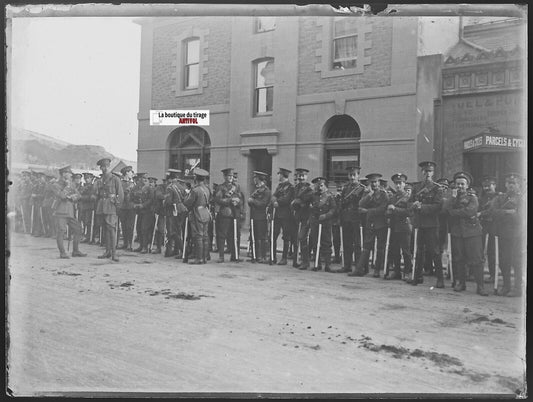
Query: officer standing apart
{"x": 258, "y": 203}
{"x": 508, "y": 213}
{"x": 488, "y": 194}
{"x": 426, "y": 202}
{"x": 281, "y": 203}
{"x": 198, "y": 203}
{"x": 63, "y": 206}
{"x": 127, "y": 213}
{"x": 374, "y": 204}
{"x": 350, "y": 219}
{"x": 465, "y": 231}
{"x": 110, "y": 196}
{"x": 323, "y": 209}
{"x": 398, "y": 213}
{"x": 303, "y": 195}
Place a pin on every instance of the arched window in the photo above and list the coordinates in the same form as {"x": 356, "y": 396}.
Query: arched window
{"x": 342, "y": 135}
{"x": 189, "y": 148}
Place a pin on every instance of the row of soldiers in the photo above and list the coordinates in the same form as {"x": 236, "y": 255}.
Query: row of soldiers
{"x": 405, "y": 223}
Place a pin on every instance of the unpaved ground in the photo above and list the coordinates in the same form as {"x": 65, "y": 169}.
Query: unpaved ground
{"x": 153, "y": 324}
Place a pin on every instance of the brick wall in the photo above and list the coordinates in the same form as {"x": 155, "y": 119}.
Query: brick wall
{"x": 377, "y": 74}
{"x": 218, "y": 63}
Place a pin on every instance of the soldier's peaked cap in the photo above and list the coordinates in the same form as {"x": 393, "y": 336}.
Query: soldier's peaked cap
{"x": 117, "y": 174}
{"x": 140, "y": 175}
{"x": 227, "y": 171}
{"x": 126, "y": 169}
{"x": 398, "y": 177}
{"x": 88, "y": 174}
{"x": 102, "y": 161}
{"x": 355, "y": 168}
{"x": 284, "y": 172}
{"x": 200, "y": 172}
{"x": 319, "y": 179}
{"x": 152, "y": 178}
{"x": 443, "y": 180}
{"x": 512, "y": 176}
{"x": 374, "y": 176}
{"x": 489, "y": 179}
{"x": 463, "y": 175}
{"x": 76, "y": 175}
{"x": 173, "y": 173}
{"x": 427, "y": 165}
{"x": 65, "y": 169}
{"x": 301, "y": 170}
{"x": 261, "y": 175}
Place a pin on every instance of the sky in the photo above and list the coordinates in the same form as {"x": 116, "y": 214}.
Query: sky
{"x": 77, "y": 79}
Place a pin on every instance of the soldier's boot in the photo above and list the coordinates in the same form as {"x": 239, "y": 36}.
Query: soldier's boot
{"x": 198, "y": 252}
{"x": 376, "y": 272}
{"x": 396, "y": 274}
{"x": 169, "y": 250}
{"x": 327, "y": 261}
{"x": 359, "y": 269}
{"x": 418, "y": 278}
{"x": 113, "y": 248}
{"x": 283, "y": 260}
{"x": 263, "y": 252}
{"x": 61, "y": 247}
{"x": 207, "y": 252}
{"x": 220, "y": 256}
{"x": 305, "y": 258}
{"x": 75, "y": 249}
{"x": 158, "y": 242}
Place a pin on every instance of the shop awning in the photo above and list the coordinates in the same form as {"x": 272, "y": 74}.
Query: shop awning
{"x": 493, "y": 143}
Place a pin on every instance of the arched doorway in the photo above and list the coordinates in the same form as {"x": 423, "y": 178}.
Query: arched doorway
{"x": 189, "y": 148}
{"x": 342, "y": 136}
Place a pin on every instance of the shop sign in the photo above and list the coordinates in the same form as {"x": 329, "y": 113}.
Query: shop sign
{"x": 493, "y": 141}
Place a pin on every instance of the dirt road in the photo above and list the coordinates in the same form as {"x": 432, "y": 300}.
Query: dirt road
{"x": 154, "y": 324}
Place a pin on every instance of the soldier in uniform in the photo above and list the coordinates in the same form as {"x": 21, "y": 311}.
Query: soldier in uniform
{"x": 350, "y": 219}
{"x": 63, "y": 206}
{"x": 86, "y": 206}
{"x": 374, "y": 203}
{"x": 465, "y": 232}
{"x": 303, "y": 195}
{"x": 336, "y": 227}
{"x": 228, "y": 199}
{"x": 174, "y": 210}
{"x": 487, "y": 196}
{"x": 322, "y": 212}
{"x": 37, "y": 197}
{"x": 136, "y": 198}
{"x": 508, "y": 214}
{"x": 147, "y": 212}
{"x": 426, "y": 203}
{"x": 211, "y": 227}
{"x": 242, "y": 209}
{"x": 110, "y": 196}
{"x": 126, "y": 213}
{"x": 398, "y": 213}
{"x": 48, "y": 199}
{"x": 281, "y": 204}
{"x": 197, "y": 202}
{"x": 159, "y": 197}
{"x": 258, "y": 202}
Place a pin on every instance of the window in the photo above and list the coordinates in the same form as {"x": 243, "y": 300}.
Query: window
{"x": 344, "y": 44}
{"x": 192, "y": 64}
{"x": 264, "y": 86}
{"x": 264, "y": 24}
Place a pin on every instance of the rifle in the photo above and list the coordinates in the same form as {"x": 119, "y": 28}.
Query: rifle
{"x": 185, "y": 237}
{"x": 414, "y": 254}
{"x": 385, "y": 267}
{"x": 253, "y": 239}
{"x": 42, "y": 221}
{"x": 361, "y": 187}
{"x": 91, "y": 238}
{"x": 342, "y": 244}
{"x": 297, "y": 245}
{"x": 235, "y": 239}
{"x": 22, "y": 215}
{"x": 68, "y": 238}
{"x": 134, "y": 230}
{"x": 165, "y": 234}
{"x": 449, "y": 255}
{"x": 153, "y": 233}
{"x": 497, "y": 265}
{"x": 117, "y": 228}
{"x": 31, "y": 222}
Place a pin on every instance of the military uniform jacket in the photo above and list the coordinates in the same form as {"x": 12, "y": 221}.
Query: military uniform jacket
{"x": 173, "y": 202}
{"x": 462, "y": 211}
{"x": 350, "y": 196}
{"x": 303, "y": 195}
{"x": 507, "y": 212}
{"x": 284, "y": 195}
{"x": 485, "y": 215}
{"x": 38, "y": 194}
{"x": 376, "y": 205}
{"x": 159, "y": 197}
{"x": 109, "y": 193}
{"x": 48, "y": 195}
{"x": 136, "y": 195}
{"x": 64, "y": 198}
{"x": 147, "y": 199}
{"x": 88, "y": 197}
{"x": 127, "y": 187}
{"x": 198, "y": 197}
{"x": 226, "y": 192}
{"x": 431, "y": 197}
{"x": 323, "y": 208}
{"x": 399, "y": 217}
{"x": 260, "y": 199}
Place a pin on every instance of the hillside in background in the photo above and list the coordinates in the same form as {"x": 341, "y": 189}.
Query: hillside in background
{"x": 33, "y": 148}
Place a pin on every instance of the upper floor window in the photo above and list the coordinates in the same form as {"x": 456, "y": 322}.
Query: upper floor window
{"x": 264, "y": 86}
{"x": 344, "y": 44}
{"x": 192, "y": 64}
{"x": 264, "y": 24}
